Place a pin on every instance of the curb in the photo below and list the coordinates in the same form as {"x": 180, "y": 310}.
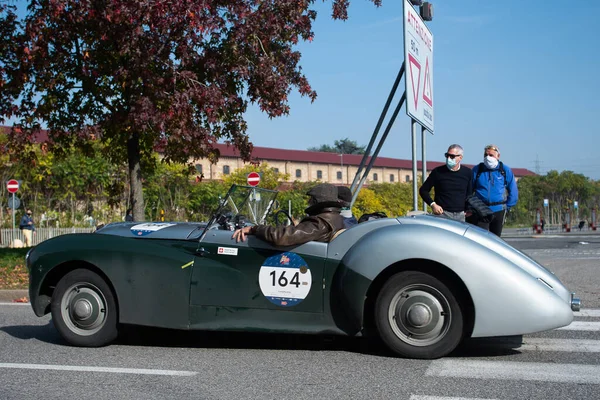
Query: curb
{"x": 11, "y": 295}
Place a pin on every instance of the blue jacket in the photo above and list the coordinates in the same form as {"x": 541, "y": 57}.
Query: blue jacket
{"x": 24, "y": 224}
{"x": 491, "y": 188}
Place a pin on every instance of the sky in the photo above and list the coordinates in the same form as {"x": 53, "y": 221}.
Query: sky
{"x": 524, "y": 75}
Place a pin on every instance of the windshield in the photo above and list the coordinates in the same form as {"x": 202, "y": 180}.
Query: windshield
{"x": 243, "y": 205}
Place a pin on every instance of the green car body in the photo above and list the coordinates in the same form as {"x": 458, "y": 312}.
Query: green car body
{"x": 187, "y": 284}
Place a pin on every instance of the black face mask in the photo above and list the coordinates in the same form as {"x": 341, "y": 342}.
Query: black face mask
{"x": 29, "y": 214}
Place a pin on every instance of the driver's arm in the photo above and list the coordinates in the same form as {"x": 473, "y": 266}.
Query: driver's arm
{"x": 310, "y": 228}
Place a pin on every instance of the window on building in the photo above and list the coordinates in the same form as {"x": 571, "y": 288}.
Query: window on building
{"x": 276, "y": 170}
{"x": 226, "y": 170}
{"x": 339, "y": 174}
{"x": 319, "y": 174}
{"x": 391, "y": 177}
{"x": 407, "y": 178}
{"x": 298, "y": 173}
{"x": 199, "y": 168}
{"x": 375, "y": 177}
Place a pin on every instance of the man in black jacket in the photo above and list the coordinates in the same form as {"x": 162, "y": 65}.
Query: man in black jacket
{"x": 321, "y": 224}
{"x": 452, "y": 183}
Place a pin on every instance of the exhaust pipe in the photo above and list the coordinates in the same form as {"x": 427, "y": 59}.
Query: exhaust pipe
{"x": 575, "y": 302}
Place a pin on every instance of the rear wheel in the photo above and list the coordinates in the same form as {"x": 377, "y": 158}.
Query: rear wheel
{"x": 84, "y": 309}
{"x": 417, "y": 316}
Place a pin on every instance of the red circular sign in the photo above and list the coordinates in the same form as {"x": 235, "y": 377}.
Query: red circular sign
{"x": 12, "y": 186}
{"x": 253, "y": 179}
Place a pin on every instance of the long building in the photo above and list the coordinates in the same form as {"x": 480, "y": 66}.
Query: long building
{"x": 304, "y": 166}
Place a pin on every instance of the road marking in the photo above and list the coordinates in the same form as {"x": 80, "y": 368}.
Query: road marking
{"x": 592, "y": 312}
{"x": 419, "y": 397}
{"x": 567, "y": 345}
{"x": 519, "y": 371}
{"x": 15, "y": 304}
{"x": 582, "y": 326}
{"x": 99, "y": 369}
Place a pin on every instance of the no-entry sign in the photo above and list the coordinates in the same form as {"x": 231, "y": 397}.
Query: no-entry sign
{"x": 12, "y": 186}
{"x": 253, "y": 179}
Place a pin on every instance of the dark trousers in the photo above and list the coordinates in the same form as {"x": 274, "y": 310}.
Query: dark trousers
{"x": 497, "y": 223}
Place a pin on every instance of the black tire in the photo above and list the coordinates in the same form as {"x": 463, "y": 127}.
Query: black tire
{"x": 417, "y": 316}
{"x": 84, "y": 310}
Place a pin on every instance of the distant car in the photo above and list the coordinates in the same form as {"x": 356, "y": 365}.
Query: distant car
{"x": 422, "y": 284}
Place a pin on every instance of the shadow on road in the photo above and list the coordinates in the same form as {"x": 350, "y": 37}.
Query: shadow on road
{"x": 157, "y": 337}
{"x": 489, "y": 347}
{"x": 141, "y": 336}
{"x": 44, "y": 333}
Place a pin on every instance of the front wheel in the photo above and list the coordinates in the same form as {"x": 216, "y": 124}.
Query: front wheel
{"x": 417, "y": 316}
{"x": 84, "y": 310}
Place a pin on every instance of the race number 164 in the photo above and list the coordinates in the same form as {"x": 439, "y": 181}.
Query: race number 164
{"x": 282, "y": 280}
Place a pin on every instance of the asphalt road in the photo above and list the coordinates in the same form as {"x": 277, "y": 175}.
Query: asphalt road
{"x": 161, "y": 364}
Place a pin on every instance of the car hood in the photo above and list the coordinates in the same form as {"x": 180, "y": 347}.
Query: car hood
{"x": 154, "y": 230}
{"x": 497, "y": 245}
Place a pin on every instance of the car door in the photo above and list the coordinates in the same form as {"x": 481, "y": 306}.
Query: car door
{"x": 255, "y": 275}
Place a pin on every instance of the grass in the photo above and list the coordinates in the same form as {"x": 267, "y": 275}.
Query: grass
{"x": 13, "y": 272}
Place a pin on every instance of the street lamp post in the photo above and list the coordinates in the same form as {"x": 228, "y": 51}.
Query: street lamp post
{"x": 342, "y": 165}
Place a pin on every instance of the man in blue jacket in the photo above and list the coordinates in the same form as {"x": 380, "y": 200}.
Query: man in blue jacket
{"x": 27, "y": 228}
{"x": 495, "y": 184}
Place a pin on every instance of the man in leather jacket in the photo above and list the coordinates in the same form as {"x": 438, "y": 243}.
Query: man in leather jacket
{"x": 321, "y": 224}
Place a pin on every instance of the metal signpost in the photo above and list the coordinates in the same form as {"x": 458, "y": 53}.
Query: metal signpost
{"x": 13, "y": 187}
{"x": 253, "y": 179}
{"x": 417, "y": 70}
{"x": 418, "y": 59}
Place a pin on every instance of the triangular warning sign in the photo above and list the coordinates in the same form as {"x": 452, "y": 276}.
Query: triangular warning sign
{"x": 415, "y": 77}
{"x": 427, "y": 95}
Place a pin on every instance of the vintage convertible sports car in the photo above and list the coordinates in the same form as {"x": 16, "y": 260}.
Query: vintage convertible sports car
{"x": 422, "y": 284}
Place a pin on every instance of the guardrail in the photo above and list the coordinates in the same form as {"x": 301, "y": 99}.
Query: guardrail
{"x": 14, "y": 237}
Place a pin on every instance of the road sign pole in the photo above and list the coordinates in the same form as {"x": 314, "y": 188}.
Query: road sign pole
{"x": 424, "y": 160}
{"x": 413, "y": 124}
{"x": 376, "y": 153}
{"x": 13, "y": 210}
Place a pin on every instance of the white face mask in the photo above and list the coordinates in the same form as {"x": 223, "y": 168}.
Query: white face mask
{"x": 490, "y": 162}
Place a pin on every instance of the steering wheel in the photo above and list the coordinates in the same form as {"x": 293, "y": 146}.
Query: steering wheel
{"x": 286, "y": 215}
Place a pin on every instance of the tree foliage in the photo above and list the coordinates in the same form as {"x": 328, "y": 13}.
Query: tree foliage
{"x": 173, "y": 75}
{"x": 343, "y": 146}
{"x": 10, "y": 78}
{"x": 562, "y": 190}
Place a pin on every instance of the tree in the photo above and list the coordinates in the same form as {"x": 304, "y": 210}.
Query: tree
{"x": 344, "y": 146}
{"x": 141, "y": 75}
{"x": 10, "y": 79}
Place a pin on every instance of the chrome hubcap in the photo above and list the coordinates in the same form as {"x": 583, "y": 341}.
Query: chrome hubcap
{"x": 419, "y": 315}
{"x": 83, "y": 309}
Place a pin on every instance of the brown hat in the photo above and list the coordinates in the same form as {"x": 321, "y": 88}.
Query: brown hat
{"x": 324, "y": 193}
